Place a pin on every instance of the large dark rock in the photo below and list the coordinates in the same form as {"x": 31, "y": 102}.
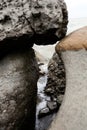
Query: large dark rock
{"x": 55, "y": 86}
{"x": 33, "y": 21}
{"x": 18, "y": 88}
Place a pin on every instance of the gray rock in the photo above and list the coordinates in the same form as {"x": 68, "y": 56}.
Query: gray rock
{"x": 49, "y": 91}
{"x": 56, "y": 76}
{"x": 60, "y": 99}
{"x": 52, "y": 105}
{"x": 18, "y": 89}
{"x": 33, "y": 21}
{"x": 43, "y": 112}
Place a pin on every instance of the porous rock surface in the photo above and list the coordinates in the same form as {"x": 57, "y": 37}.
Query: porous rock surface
{"x": 38, "y": 21}
{"x": 18, "y": 89}
{"x": 73, "y": 111}
{"x": 56, "y": 81}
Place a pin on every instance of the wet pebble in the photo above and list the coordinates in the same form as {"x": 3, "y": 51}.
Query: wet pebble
{"x": 49, "y": 91}
{"x": 43, "y": 112}
{"x": 60, "y": 99}
{"x": 52, "y": 105}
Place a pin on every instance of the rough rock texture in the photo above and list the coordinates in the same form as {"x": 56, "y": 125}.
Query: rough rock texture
{"x": 73, "y": 111}
{"x": 18, "y": 87}
{"x": 56, "y": 77}
{"x": 33, "y": 21}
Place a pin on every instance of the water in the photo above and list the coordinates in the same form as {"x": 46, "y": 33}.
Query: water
{"x": 43, "y": 123}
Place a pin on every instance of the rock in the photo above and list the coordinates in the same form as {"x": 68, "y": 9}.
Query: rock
{"x": 60, "y": 99}
{"x": 73, "y": 111}
{"x": 32, "y": 21}
{"x": 74, "y": 41}
{"x": 41, "y": 73}
{"x": 52, "y": 106}
{"x": 40, "y": 64}
{"x": 18, "y": 90}
{"x": 43, "y": 112}
{"x": 56, "y": 76}
{"x": 49, "y": 91}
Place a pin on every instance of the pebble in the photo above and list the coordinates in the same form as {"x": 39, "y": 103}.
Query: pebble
{"x": 43, "y": 112}
{"x": 52, "y": 105}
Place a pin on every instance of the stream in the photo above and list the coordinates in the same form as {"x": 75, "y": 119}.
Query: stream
{"x": 44, "y": 122}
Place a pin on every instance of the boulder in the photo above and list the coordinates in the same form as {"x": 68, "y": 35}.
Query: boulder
{"x": 32, "y": 21}
{"x": 56, "y": 77}
{"x": 73, "y": 111}
{"x": 18, "y": 89}
{"x": 76, "y": 40}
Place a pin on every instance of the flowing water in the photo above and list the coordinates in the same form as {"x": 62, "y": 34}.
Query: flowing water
{"x": 42, "y": 123}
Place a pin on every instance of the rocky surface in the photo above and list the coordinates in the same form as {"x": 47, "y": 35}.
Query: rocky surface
{"x": 55, "y": 86}
{"x": 18, "y": 89}
{"x": 73, "y": 111}
{"x": 32, "y": 21}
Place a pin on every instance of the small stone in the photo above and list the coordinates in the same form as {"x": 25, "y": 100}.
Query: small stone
{"x": 43, "y": 112}
{"x": 60, "y": 99}
{"x": 49, "y": 91}
{"x": 39, "y": 64}
{"x": 41, "y": 73}
{"x": 52, "y": 105}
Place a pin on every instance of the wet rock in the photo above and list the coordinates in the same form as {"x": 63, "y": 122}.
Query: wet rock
{"x": 30, "y": 21}
{"x": 41, "y": 73}
{"x": 50, "y": 108}
{"x": 49, "y": 91}
{"x": 18, "y": 89}
{"x": 40, "y": 64}
{"x": 43, "y": 112}
{"x": 60, "y": 99}
{"x": 52, "y": 105}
